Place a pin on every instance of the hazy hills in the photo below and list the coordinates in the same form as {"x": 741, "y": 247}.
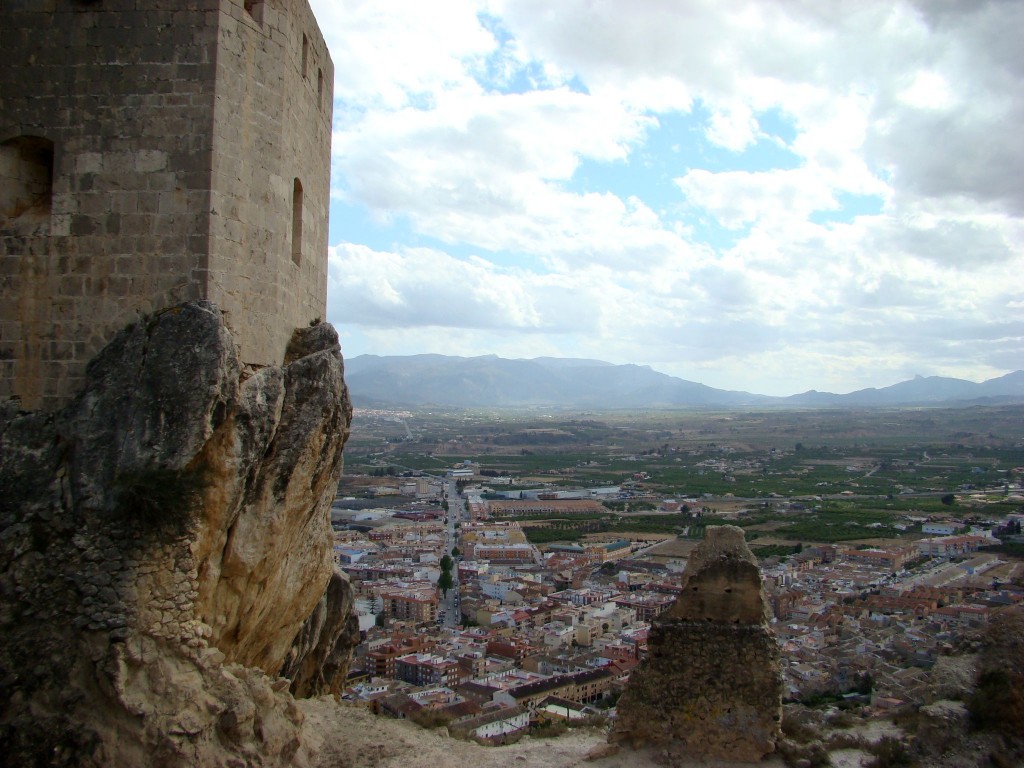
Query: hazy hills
{"x": 573, "y": 383}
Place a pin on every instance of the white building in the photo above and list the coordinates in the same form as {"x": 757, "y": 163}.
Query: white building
{"x": 951, "y": 546}
{"x": 941, "y": 529}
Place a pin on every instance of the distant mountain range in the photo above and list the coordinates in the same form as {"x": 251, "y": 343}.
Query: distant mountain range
{"x": 492, "y": 381}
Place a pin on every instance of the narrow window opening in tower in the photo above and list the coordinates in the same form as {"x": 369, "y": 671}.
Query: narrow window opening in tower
{"x": 297, "y": 222}
{"x": 255, "y": 9}
{"x": 305, "y": 54}
{"x": 320, "y": 89}
{"x": 26, "y": 185}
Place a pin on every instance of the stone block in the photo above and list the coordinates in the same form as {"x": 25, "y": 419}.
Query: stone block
{"x": 149, "y": 160}
{"x": 89, "y": 162}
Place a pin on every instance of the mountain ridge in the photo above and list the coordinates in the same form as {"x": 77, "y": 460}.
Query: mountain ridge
{"x": 489, "y": 380}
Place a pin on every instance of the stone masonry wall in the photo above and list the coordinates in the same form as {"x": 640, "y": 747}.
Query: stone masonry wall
{"x": 170, "y": 136}
{"x": 272, "y": 125}
{"x": 109, "y": 86}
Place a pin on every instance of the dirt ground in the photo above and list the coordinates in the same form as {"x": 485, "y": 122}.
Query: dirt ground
{"x": 674, "y": 548}
{"x": 349, "y": 737}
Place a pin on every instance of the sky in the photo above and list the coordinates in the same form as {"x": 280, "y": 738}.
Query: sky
{"x": 769, "y": 196}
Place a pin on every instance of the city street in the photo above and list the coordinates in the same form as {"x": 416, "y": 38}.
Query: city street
{"x": 449, "y": 606}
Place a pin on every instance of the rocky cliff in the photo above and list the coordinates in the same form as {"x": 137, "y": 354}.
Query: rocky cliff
{"x": 166, "y": 553}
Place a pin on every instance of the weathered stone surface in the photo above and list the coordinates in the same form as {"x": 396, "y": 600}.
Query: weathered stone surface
{"x": 307, "y": 341}
{"x": 710, "y": 687}
{"x": 320, "y": 655}
{"x": 169, "y": 521}
{"x": 721, "y": 584}
{"x": 155, "y": 396}
{"x": 942, "y": 725}
{"x": 267, "y": 547}
{"x": 952, "y": 677}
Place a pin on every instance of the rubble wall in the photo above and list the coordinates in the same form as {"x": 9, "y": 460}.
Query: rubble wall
{"x": 706, "y": 690}
{"x": 710, "y": 686}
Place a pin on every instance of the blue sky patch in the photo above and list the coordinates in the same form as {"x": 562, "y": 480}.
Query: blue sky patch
{"x": 850, "y": 206}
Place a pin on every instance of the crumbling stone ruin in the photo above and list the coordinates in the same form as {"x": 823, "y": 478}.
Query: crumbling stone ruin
{"x": 711, "y": 686}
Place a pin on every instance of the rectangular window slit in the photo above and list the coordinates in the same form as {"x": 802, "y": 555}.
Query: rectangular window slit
{"x": 297, "y": 222}
{"x": 255, "y": 9}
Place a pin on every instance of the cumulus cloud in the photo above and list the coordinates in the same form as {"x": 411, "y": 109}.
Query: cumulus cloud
{"x": 736, "y": 198}
{"x": 388, "y": 55}
{"x": 490, "y": 171}
{"x": 887, "y": 244}
{"x": 415, "y": 287}
{"x": 947, "y": 124}
{"x": 420, "y": 286}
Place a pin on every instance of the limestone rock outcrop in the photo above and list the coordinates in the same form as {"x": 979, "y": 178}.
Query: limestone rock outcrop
{"x": 710, "y": 687}
{"x": 165, "y": 552}
{"x": 264, "y": 552}
{"x": 318, "y": 660}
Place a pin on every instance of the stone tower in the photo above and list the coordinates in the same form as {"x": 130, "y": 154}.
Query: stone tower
{"x": 152, "y": 153}
{"x": 711, "y": 685}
